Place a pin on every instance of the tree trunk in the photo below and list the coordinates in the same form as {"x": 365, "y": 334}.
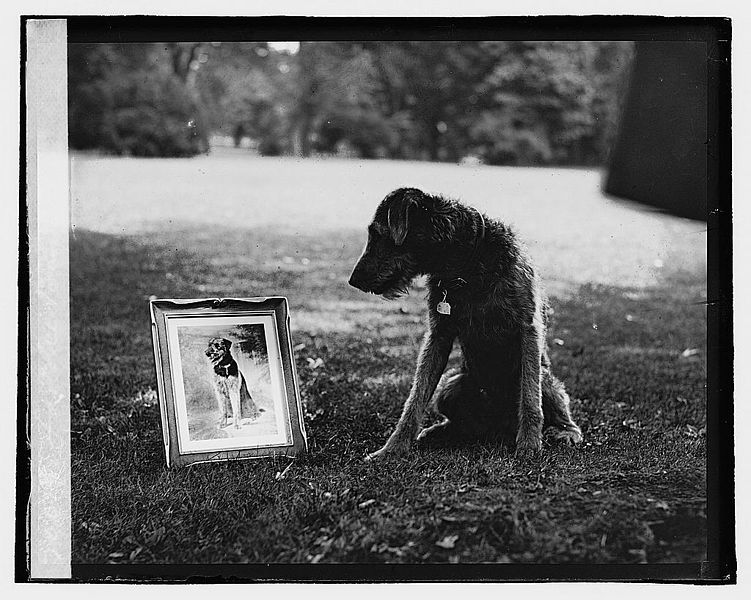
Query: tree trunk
{"x": 301, "y": 135}
{"x": 305, "y": 109}
{"x": 183, "y": 55}
{"x": 433, "y": 141}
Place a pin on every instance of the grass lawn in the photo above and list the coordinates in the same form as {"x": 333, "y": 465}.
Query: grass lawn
{"x": 627, "y": 301}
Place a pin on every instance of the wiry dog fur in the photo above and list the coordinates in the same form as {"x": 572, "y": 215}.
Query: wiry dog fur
{"x": 504, "y": 388}
{"x": 232, "y": 395}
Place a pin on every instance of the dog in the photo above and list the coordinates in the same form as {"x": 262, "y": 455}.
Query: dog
{"x": 483, "y": 291}
{"x": 231, "y": 391}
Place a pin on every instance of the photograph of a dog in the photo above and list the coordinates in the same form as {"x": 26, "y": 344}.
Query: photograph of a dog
{"x": 227, "y": 382}
{"x": 497, "y": 311}
{"x": 233, "y": 398}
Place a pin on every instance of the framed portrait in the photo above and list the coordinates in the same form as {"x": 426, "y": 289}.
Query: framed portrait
{"x": 226, "y": 379}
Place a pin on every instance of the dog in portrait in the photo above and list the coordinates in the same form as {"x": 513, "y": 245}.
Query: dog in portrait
{"x": 231, "y": 390}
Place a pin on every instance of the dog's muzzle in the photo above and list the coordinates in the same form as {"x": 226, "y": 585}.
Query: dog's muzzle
{"x": 358, "y": 281}
{"x": 361, "y": 277}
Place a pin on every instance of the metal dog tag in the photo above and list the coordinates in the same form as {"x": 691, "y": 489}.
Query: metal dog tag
{"x": 443, "y": 307}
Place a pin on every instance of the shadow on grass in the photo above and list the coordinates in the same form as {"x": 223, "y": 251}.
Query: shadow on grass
{"x": 635, "y": 492}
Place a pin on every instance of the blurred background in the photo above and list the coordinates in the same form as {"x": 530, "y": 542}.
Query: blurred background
{"x": 499, "y": 103}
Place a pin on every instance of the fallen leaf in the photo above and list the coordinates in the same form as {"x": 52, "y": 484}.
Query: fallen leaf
{"x": 447, "y": 542}
{"x": 314, "y": 364}
{"x": 688, "y": 352}
{"x": 366, "y": 503}
{"x": 639, "y": 554}
{"x": 695, "y": 432}
{"x": 451, "y": 518}
{"x": 282, "y": 474}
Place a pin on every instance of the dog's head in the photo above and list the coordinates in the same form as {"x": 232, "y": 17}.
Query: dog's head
{"x": 407, "y": 228}
{"x": 217, "y": 349}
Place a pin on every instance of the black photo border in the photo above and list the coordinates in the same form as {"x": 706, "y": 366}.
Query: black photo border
{"x": 715, "y": 31}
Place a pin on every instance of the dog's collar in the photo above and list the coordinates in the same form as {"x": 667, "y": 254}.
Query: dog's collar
{"x": 459, "y": 282}
{"x": 443, "y": 307}
{"x": 225, "y": 367}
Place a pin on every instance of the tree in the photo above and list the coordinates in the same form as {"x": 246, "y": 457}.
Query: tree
{"x": 331, "y": 79}
{"x": 428, "y": 90}
{"x": 126, "y": 99}
{"x": 508, "y": 102}
{"x": 550, "y": 103}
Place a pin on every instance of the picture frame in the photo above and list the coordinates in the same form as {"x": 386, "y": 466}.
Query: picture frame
{"x": 226, "y": 379}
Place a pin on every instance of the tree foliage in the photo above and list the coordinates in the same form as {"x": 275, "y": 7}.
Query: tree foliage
{"x": 134, "y": 99}
{"x": 504, "y": 102}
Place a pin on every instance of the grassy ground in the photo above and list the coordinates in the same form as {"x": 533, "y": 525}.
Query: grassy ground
{"x": 634, "y": 492}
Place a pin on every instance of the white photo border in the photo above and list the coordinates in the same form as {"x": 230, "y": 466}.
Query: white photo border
{"x": 284, "y": 425}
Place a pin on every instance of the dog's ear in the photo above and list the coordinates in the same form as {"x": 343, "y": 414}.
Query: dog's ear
{"x": 226, "y": 343}
{"x": 398, "y": 215}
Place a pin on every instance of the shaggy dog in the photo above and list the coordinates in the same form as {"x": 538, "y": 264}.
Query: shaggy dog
{"x": 231, "y": 391}
{"x": 483, "y": 291}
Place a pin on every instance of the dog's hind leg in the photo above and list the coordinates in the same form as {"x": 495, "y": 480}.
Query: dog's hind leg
{"x": 558, "y": 424}
{"x": 248, "y": 407}
{"x": 530, "y": 416}
{"x": 456, "y": 398}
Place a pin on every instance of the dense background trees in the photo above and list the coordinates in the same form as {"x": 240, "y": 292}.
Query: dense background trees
{"x": 502, "y": 102}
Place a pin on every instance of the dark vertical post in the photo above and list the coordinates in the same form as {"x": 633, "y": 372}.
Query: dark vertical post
{"x": 660, "y": 155}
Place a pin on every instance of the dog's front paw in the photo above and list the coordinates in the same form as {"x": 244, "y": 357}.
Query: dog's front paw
{"x": 528, "y": 447}
{"x": 389, "y": 450}
{"x": 568, "y": 436}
